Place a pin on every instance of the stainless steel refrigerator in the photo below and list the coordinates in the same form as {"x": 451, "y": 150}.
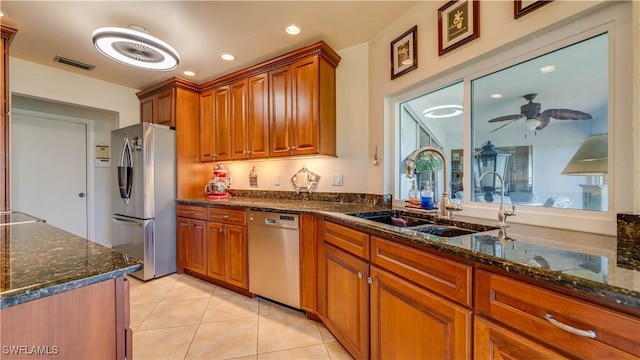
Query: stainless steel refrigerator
{"x": 143, "y": 158}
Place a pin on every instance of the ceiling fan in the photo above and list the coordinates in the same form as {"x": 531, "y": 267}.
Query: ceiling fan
{"x": 531, "y": 111}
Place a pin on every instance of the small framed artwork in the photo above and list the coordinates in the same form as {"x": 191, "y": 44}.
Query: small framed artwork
{"x": 404, "y": 53}
{"x": 458, "y": 23}
{"x": 523, "y": 7}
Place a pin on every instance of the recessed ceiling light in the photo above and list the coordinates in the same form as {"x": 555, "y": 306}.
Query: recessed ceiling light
{"x": 547, "y": 69}
{"x": 496, "y": 96}
{"x": 293, "y": 30}
{"x": 1, "y": 14}
{"x": 228, "y": 57}
{"x": 442, "y": 111}
{"x": 189, "y": 73}
{"x": 135, "y": 48}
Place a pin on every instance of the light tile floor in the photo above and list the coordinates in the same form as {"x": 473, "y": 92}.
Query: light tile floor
{"x": 182, "y": 317}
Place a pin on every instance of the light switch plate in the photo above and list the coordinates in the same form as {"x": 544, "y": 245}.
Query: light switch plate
{"x": 336, "y": 179}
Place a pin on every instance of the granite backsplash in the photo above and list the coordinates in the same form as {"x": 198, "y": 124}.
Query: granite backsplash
{"x": 628, "y": 237}
{"x": 369, "y": 199}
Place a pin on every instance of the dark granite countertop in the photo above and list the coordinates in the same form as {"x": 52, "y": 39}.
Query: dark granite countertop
{"x": 38, "y": 260}
{"x": 576, "y": 261}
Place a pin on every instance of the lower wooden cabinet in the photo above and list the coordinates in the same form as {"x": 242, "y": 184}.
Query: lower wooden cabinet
{"x": 191, "y": 247}
{"x": 346, "y": 300}
{"x": 409, "y": 322}
{"x": 493, "y": 342}
{"x": 227, "y": 253}
{"x": 376, "y": 314}
{"x": 218, "y": 248}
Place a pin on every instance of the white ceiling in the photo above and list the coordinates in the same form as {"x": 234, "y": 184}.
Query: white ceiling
{"x": 200, "y": 31}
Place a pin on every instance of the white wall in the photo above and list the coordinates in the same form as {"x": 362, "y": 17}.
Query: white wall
{"x": 44, "y": 89}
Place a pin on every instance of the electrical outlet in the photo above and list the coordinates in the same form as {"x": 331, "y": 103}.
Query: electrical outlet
{"x": 276, "y": 181}
{"x": 336, "y": 179}
{"x": 230, "y": 181}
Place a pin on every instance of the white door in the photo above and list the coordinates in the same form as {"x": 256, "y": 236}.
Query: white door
{"x": 49, "y": 171}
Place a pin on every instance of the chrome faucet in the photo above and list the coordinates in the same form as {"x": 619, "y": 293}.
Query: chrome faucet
{"x": 446, "y": 206}
{"x": 502, "y": 213}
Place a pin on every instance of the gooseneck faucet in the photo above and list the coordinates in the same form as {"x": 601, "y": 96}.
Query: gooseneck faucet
{"x": 502, "y": 213}
{"x": 446, "y": 206}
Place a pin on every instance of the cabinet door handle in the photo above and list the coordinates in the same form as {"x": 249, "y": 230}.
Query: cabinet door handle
{"x": 225, "y": 217}
{"x": 293, "y": 148}
{"x": 191, "y": 211}
{"x": 370, "y": 280}
{"x": 360, "y": 275}
{"x": 586, "y": 333}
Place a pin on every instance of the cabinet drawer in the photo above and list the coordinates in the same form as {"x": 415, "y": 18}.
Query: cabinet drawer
{"x": 577, "y": 327}
{"x": 352, "y": 241}
{"x": 442, "y": 276}
{"x": 228, "y": 216}
{"x": 192, "y": 211}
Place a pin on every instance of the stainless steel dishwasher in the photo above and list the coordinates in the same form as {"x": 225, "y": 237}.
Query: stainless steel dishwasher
{"x": 274, "y": 256}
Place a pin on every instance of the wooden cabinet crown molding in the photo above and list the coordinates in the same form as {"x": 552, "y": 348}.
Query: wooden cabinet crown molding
{"x": 7, "y": 33}
{"x": 319, "y": 48}
{"x": 173, "y": 82}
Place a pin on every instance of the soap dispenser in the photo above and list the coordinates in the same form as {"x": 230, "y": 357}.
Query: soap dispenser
{"x": 426, "y": 196}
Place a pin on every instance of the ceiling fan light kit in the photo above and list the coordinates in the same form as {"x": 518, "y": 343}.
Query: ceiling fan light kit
{"x": 134, "y": 47}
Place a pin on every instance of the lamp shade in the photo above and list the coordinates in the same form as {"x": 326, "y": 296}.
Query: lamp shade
{"x": 591, "y": 157}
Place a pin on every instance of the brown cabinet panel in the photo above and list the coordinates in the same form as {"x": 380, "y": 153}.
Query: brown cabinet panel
{"x": 198, "y": 229}
{"x": 442, "y": 276}
{"x": 184, "y": 247}
{"x": 146, "y": 109}
{"x": 258, "y": 116}
{"x": 239, "y": 127}
{"x": 166, "y": 108}
{"x": 236, "y": 237}
{"x": 192, "y": 211}
{"x": 308, "y": 262}
{"x": 280, "y": 117}
{"x": 408, "y": 322}
{"x": 222, "y": 123}
{"x": 350, "y": 240}
{"x": 493, "y": 342}
{"x": 216, "y": 251}
{"x": 306, "y": 116}
{"x": 346, "y": 299}
{"x": 227, "y": 216}
{"x": 583, "y": 329}
{"x": 207, "y": 127}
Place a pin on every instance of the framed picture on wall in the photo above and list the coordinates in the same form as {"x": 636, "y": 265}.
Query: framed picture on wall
{"x": 523, "y": 7}
{"x": 458, "y": 23}
{"x": 404, "y": 53}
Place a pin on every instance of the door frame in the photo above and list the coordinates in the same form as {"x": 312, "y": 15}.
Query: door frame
{"x": 90, "y": 152}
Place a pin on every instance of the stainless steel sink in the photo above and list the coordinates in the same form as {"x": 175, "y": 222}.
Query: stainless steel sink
{"x": 426, "y": 223}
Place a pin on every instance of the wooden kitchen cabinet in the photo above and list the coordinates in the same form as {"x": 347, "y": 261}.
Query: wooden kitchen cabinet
{"x": 302, "y": 108}
{"x": 215, "y": 125}
{"x": 409, "y": 322}
{"x": 191, "y": 246}
{"x": 239, "y": 121}
{"x": 191, "y": 238}
{"x": 258, "y": 116}
{"x": 552, "y": 320}
{"x": 227, "y": 246}
{"x": 385, "y": 300}
{"x": 159, "y": 108}
{"x": 346, "y": 300}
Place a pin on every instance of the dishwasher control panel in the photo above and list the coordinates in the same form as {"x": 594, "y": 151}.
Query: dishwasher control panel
{"x": 289, "y": 221}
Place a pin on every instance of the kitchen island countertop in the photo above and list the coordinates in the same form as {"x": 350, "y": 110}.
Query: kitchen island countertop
{"x": 575, "y": 261}
{"x": 38, "y": 260}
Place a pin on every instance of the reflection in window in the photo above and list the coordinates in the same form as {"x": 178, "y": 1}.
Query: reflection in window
{"x": 433, "y": 119}
{"x": 552, "y": 109}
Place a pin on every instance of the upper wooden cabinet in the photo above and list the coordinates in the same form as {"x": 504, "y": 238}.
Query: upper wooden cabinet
{"x": 302, "y": 115}
{"x": 159, "y": 108}
{"x": 215, "y": 124}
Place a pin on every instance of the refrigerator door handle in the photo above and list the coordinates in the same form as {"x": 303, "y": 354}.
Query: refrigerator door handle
{"x": 127, "y": 222}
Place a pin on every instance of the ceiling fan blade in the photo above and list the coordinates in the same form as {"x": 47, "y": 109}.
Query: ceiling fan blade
{"x": 566, "y": 114}
{"x": 544, "y": 121}
{"x": 498, "y": 128}
{"x": 506, "y": 118}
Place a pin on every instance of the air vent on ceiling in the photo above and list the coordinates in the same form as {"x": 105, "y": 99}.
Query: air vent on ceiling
{"x": 76, "y": 63}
